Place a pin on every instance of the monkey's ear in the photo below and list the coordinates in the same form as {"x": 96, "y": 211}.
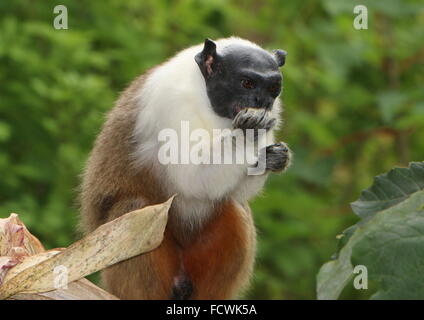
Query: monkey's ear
{"x": 207, "y": 58}
{"x": 280, "y": 56}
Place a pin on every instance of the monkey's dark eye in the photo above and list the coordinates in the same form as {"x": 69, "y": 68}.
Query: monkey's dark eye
{"x": 247, "y": 83}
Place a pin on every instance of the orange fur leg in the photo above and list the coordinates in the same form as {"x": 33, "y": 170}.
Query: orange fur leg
{"x": 220, "y": 260}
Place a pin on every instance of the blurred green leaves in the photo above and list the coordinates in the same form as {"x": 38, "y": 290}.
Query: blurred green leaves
{"x": 387, "y": 240}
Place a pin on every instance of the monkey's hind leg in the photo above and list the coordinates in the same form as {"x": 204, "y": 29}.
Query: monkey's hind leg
{"x": 147, "y": 276}
{"x": 220, "y": 262}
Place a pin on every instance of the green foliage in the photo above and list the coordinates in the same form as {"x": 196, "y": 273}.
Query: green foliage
{"x": 353, "y": 108}
{"x": 390, "y": 189}
{"x": 387, "y": 240}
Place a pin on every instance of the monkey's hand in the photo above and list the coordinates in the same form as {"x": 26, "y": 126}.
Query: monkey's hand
{"x": 251, "y": 118}
{"x": 278, "y": 157}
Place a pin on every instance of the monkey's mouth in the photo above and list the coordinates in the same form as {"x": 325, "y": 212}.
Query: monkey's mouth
{"x": 238, "y": 108}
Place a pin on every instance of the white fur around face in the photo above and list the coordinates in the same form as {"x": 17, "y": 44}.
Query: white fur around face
{"x": 175, "y": 92}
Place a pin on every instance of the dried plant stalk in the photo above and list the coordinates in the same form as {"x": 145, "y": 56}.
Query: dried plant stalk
{"x": 134, "y": 233}
{"x": 81, "y": 289}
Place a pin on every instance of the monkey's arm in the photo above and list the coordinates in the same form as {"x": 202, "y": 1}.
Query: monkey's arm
{"x": 276, "y": 156}
{"x": 214, "y": 181}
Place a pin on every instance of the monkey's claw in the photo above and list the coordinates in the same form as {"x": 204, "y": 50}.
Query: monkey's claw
{"x": 278, "y": 157}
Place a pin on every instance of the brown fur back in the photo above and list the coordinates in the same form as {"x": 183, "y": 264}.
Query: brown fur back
{"x": 109, "y": 176}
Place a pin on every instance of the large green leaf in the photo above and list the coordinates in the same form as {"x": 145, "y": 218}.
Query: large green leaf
{"x": 392, "y": 249}
{"x": 389, "y": 189}
{"x": 390, "y": 244}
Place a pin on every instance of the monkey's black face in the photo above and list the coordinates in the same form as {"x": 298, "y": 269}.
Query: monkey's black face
{"x": 240, "y": 77}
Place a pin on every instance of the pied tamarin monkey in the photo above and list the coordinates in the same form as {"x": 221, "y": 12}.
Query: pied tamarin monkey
{"x": 209, "y": 244}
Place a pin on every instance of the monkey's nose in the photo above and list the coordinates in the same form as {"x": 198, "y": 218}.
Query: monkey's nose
{"x": 262, "y": 103}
